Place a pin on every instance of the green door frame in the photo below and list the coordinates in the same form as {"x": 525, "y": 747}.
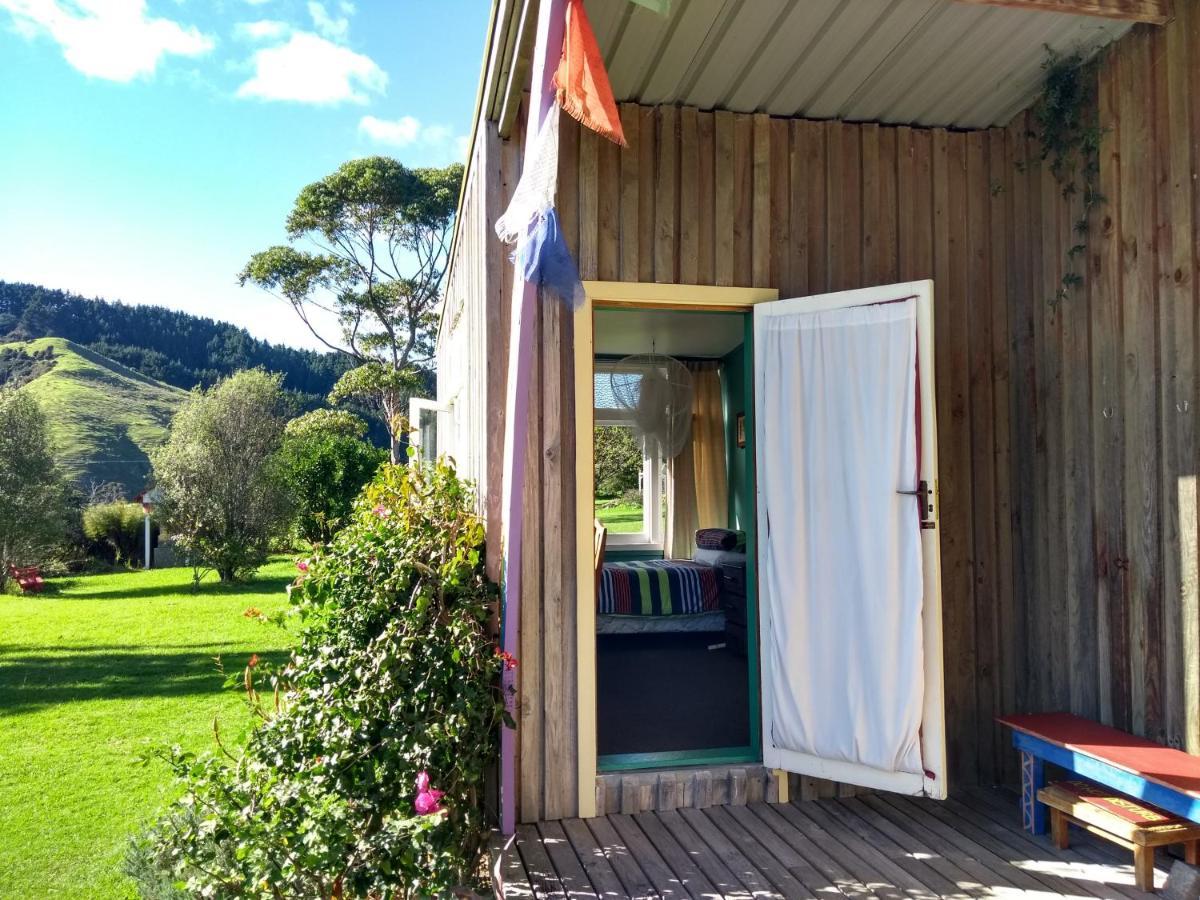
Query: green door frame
{"x": 752, "y": 752}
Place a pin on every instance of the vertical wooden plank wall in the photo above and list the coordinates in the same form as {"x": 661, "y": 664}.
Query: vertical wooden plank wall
{"x": 1103, "y": 445}
{"x": 1067, "y": 447}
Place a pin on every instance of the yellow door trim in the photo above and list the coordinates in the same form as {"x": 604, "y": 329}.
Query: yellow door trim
{"x": 601, "y": 294}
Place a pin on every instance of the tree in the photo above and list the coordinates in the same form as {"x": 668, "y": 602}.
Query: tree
{"x": 379, "y": 234}
{"x": 223, "y": 495}
{"x": 618, "y": 461}
{"x": 325, "y": 462}
{"x": 35, "y": 507}
{"x": 118, "y": 524}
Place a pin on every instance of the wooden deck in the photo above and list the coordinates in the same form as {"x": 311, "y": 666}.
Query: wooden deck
{"x": 873, "y": 847}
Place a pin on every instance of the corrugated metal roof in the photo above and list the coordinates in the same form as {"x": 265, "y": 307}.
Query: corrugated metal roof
{"x": 920, "y": 62}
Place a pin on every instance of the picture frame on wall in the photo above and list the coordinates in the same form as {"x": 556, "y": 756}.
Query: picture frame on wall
{"x": 741, "y": 429}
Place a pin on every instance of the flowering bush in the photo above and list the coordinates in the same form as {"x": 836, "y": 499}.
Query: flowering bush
{"x": 365, "y": 777}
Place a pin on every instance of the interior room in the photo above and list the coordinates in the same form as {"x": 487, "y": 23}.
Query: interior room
{"x": 675, "y": 622}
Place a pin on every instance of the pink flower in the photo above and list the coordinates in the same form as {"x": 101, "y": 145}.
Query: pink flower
{"x": 428, "y": 801}
{"x": 302, "y": 565}
{"x": 253, "y": 660}
{"x": 510, "y": 661}
{"x": 381, "y": 511}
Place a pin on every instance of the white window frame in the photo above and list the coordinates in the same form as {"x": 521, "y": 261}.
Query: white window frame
{"x": 417, "y": 405}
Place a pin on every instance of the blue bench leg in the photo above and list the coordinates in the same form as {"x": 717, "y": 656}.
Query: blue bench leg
{"x": 1033, "y": 778}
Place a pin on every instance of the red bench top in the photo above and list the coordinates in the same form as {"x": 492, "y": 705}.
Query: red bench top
{"x": 1171, "y": 768}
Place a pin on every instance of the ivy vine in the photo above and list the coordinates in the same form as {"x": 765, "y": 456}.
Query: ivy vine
{"x": 1067, "y": 127}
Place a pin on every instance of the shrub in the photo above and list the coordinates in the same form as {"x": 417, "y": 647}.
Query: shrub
{"x": 223, "y": 497}
{"x": 325, "y": 462}
{"x": 118, "y": 525}
{"x": 618, "y": 460}
{"x": 394, "y": 678}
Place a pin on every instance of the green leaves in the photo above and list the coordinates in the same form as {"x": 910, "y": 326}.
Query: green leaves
{"x": 395, "y": 675}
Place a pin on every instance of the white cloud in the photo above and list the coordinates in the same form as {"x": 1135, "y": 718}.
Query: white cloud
{"x": 409, "y": 131}
{"x": 262, "y": 30}
{"x": 112, "y": 39}
{"x": 309, "y": 69}
{"x": 335, "y": 29}
{"x": 462, "y": 144}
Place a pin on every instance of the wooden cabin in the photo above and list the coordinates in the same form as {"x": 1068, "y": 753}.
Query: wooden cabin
{"x": 782, "y": 149}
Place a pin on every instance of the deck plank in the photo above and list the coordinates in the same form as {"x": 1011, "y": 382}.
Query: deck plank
{"x": 920, "y": 869}
{"x": 872, "y": 847}
{"x": 593, "y": 859}
{"x": 879, "y": 884}
{"x": 542, "y": 875}
{"x": 709, "y": 863}
{"x": 668, "y": 885}
{"x": 976, "y": 876}
{"x": 743, "y": 869}
{"x": 999, "y": 853}
{"x": 1092, "y": 861}
{"x": 833, "y": 871}
{"x": 637, "y": 884}
{"x": 571, "y": 873}
{"x": 1104, "y": 858}
{"x": 791, "y": 858}
{"x": 681, "y": 862}
{"x": 752, "y": 848}
{"x": 900, "y": 878}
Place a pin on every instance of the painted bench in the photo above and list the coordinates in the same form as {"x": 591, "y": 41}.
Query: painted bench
{"x": 1108, "y": 814}
{"x": 1162, "y": 777}
{"x": 29, "y": 578}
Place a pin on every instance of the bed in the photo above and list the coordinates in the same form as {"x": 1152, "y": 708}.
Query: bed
{"x": 658, "y": 595}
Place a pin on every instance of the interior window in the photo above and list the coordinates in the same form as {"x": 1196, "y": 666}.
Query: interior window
{"x": 629, "y": 484}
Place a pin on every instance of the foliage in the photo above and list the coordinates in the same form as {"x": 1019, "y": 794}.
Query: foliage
{"x": 18, "y": 366}
{"x": 394, "y": 677}
{"x": 119, "y": 525}
{"x": 1067, "y": 127}
{"x": 325, "y": 463}
{"x": 385, "y": 389}
{"x": 177, "y": 348}
{"x": 325, "y": 422}
{"x": 618, "y": 461}
{"x": 223, "y": 495}
{"x": 379, "y": 235}
{"x": 35, "y": 503}
{"x": 96, "y": 672}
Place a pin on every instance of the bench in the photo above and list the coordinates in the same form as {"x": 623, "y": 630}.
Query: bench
{"x": 28, "y": 577}
{"x": 1165, "y": 778}
{"x": 1122, "y": 821}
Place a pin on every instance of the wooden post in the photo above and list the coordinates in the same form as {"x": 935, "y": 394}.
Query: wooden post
{"x": 1060, "y": 829}
{"x": 1143, "y": 867}
{"x": 522, "y": 348}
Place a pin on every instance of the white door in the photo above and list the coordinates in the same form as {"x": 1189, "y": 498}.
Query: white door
{"x": 848, "y": 561}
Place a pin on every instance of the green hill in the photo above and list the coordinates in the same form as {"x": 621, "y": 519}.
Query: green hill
{"x": 104, "y": 418}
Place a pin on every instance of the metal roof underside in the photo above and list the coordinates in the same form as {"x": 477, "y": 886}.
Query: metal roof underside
{"x": 917, "y": 62}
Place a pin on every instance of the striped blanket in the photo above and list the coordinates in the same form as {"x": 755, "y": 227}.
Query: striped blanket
{"x": 657, "y": 587}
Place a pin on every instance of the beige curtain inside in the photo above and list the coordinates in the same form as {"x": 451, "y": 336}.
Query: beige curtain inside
{"x": 699, "y": 494}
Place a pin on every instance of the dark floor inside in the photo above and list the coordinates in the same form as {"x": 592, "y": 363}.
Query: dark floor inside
{"x": 665, "y": 692}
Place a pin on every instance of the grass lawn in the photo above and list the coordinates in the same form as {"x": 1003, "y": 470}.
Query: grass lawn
{"x": 620, "y": 518}
{"x": 93, "y": 673}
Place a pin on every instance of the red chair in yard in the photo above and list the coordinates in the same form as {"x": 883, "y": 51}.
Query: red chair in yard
{"x": 28, "y": 577}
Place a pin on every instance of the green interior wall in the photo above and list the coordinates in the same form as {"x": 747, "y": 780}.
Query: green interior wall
{"x": 733, "y": 398}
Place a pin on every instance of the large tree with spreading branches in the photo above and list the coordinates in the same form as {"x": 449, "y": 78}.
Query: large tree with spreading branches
{"x": 369, "y": 244}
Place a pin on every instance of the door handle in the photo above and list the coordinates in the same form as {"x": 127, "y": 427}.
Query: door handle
{"x": 925, "y": 502}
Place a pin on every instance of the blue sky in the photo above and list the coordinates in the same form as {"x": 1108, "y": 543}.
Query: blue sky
{"x": 148, "y": 147}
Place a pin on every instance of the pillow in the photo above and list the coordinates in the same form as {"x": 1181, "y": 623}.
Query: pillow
{"x": 719, "y": 538}
{"x": 714, "y": 558}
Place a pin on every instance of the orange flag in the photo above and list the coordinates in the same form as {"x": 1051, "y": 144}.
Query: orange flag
{"x": 581, "y": 79}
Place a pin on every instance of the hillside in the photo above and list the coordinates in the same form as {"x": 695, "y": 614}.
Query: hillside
{"x": 104, "y": 418}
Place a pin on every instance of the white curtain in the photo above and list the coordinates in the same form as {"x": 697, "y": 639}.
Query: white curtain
{"x": 841, "y": 556}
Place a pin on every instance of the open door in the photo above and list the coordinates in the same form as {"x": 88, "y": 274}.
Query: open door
{"x": 849, "y": 569}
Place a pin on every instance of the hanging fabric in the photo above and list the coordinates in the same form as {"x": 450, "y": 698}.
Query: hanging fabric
{"x": 545, "y": 260}
{"x": 840, "y": 552}
{"x": 582, "y": 81}
{"x": 536, "y": 189}
{"x": 708, "y": 447}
